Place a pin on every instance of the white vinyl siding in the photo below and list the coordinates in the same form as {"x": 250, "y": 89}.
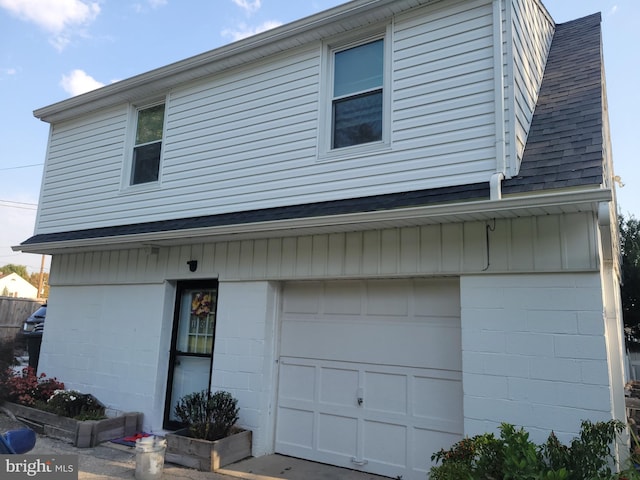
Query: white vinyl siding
{"x": 443, "y": 98}
{"x": 532, "y": 32}
{"x": 247, "y": 138}
{"x": 83, "y": 168}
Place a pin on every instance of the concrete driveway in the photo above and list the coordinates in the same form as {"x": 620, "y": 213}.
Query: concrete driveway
{"x": 109, "y": 461}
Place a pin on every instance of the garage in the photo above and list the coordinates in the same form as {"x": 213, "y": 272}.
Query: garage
{"x": 370, "y": 373}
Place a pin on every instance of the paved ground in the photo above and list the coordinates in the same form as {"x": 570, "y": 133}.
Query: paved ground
{"x": 109, "y": 461}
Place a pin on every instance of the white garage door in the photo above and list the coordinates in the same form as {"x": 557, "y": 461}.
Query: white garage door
{"x": 370, "y": 373}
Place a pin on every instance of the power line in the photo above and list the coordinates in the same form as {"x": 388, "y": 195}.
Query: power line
{"x": 22, "y": 166}
{"x": 22, "y": 205}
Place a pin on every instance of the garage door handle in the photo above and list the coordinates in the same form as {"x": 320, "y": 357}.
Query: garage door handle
{"x": 360, "y": 401}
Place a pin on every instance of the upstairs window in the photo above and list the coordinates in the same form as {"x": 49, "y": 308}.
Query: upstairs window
{"x": 145, "y": 165}
{"x": 357, "y": 103}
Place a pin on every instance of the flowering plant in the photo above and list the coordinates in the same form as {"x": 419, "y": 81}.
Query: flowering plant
{"x": 26, "y": 388}
{"x": 73, "y": 404}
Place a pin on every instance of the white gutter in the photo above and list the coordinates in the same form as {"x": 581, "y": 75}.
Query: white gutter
{"x": 545, "y": 204}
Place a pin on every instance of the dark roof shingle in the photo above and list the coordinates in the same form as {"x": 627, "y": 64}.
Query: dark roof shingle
{"x": 565, "y": 144}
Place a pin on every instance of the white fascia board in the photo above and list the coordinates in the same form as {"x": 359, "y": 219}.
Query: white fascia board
{"x": 520, "y": 206}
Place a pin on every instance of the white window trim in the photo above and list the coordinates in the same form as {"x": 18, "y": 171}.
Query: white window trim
{"x": 127, "y": 164}
{"x": 325, "y": 127}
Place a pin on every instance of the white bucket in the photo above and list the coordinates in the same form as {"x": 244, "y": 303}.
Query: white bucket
{"x": 150, "y": 458}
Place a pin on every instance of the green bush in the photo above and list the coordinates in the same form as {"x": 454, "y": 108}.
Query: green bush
{"x": 73, "y": 404}
{"x": 514, "y": 457}
{"x": 208, "y": 416}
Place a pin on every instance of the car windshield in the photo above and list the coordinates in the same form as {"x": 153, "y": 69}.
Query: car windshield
{"x": 40, "y": 313}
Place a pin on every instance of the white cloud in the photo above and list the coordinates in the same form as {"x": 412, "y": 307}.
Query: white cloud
{"x": 57, "y": 17}
{"x": 243, "y": 30}
{"x": 613, "y": 10}
{"x": 78, "y": 82}
{"x": 249, "y": 6}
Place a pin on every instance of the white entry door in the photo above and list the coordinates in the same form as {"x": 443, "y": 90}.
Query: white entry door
{"x": 370, "y": 373}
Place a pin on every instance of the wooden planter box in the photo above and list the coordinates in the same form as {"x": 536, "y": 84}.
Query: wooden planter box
{"x": 81, "y": 433}
{"x": 205, "y": 455}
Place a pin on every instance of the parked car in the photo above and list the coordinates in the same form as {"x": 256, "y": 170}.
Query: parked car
{"x": 30, "y": 335}
{"x": 33, "y": 326}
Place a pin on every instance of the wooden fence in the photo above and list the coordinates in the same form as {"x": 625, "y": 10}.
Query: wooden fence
{"x": 14, "y": 311}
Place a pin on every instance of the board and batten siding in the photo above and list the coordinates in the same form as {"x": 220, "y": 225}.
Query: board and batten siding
{"x": 247, "y": 138}
{"x": 554, "y": 243}
{"x": 531, "y": 32}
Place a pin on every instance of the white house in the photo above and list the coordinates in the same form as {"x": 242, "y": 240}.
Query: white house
{"x": 13, "y": 285}
{"x": 382, "y": 227}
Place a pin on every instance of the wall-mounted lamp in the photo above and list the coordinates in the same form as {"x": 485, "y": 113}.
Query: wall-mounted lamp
{"x": 193, "y": 265}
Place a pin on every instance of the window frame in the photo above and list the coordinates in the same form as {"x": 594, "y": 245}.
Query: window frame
{"x": 128, "y": 173}
{"x": 329, "y": 50}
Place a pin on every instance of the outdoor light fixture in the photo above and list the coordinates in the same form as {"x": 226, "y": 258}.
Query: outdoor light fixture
{"x": 193, "y": 265}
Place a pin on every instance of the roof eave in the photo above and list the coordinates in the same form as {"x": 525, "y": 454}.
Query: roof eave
{"x": 587, "y": 200}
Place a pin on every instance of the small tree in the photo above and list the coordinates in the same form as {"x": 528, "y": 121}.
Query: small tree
{"x": 630, "y": 270}
{"x": 19, "y": 269}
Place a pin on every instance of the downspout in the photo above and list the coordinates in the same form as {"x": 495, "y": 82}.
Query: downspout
{"x": 498, "y": 80}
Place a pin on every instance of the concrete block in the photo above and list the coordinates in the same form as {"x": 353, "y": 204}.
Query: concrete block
{"x": 510, "y": 365}
{"x": 485, "y": 385}
{"x": 580, "y": 346}
{"x": 533, "y": 391}
{"x": 534, "y": 344}
{"x": 556, "y": 369}
{"x": 595, "y": 372}
{"x": 551, "y": 321}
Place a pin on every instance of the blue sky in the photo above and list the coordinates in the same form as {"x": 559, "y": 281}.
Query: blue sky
{"x": 51, "y": 50}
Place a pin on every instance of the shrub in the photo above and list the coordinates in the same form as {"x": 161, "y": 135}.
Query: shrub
{"x": 208, "y": 416}
{"x": 514, "y": 457}
{"x": 27, "y": 388}
{"x": 73, "y": 404}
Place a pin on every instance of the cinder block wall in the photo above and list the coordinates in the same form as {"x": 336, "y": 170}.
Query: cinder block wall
{"x": 243, "y": 359}
{"x": 534, "y": 353}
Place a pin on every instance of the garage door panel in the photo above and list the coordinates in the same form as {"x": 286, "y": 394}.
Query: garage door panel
{"x": 387, "y": 443}
{"x": 439, "y": 400}
{"x": 338, "y": 435}
{"x": 336, "y": 386}
{"x": 384, "y": 298}
{"x": 437, "y": 297}
{"x": 297, "y": 381}
{"x": 424, "y": 444}
{"x": 302, "y": 298}
{"x": 394, "y": 343}
{"x": 385, "y": 392}
{"x": 296, "y": 428}
{"x": 343, "y": 298}
{"x": 386, "y": 342}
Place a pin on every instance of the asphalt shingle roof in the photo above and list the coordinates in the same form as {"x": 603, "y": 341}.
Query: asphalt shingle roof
{"x": 564, "y": 148}
{"x": 565, "y": 144}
